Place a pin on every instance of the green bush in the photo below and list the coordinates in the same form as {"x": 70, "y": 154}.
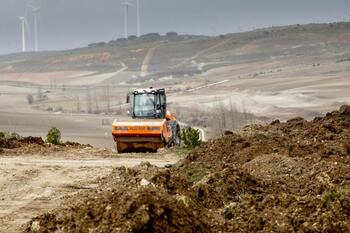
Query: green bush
{"x": 7, "y": 135}
{"x": 333, "y": 195}
{"x": 191, "y": 137}
{"x": 330, "y": 196}
{"x": 54, "y": 136}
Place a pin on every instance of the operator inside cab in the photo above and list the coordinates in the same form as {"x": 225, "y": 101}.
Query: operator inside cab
{"x": 144, "y": 105}
{"x": 149, "y": 104}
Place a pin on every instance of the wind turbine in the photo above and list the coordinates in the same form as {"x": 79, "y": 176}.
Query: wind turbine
{"x": 138, "y": 18}
{"x": 24, "y": 26}
{"x": 35, "y": 11}
{"x": 126, "y": 5}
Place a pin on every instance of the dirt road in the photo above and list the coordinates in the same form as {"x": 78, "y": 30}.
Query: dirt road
{"x": 147, "y": 61}
{"x": 33, "y": 184}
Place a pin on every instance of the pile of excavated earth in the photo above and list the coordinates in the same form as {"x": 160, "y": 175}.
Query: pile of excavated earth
{"x": 12, "y": 143}
{"x": 283, "y": 177}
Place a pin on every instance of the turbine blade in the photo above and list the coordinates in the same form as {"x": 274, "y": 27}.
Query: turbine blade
{"x": 27, "y": 26}
{"x": 35, "y": 9}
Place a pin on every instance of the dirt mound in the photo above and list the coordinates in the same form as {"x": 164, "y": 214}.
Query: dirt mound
{"x": 13, "y": 143}
{"x": 126, "y": 201}
{"x": 327, "y": 137}
{"x": 142, "y": 210}
{"x": 16, "y": 141}
{"x": 298, "y": 157}
{"x": 282, "y": 177}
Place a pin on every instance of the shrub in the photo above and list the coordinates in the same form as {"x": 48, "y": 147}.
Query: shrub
{"x": 191, "y": 137}
{"x": 330, "y": 196}
{"x": 30, "y": 99}
{"x": 171, "y": 34}
{"x": 333, "y": 195}
{"x": 151, "y": 35}
{"x": 54, "y": 136}
{"x": 8, "y": 135}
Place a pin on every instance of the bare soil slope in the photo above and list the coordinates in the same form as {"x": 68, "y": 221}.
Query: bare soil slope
{"x": 37, "y": 177}
{"x": 283, "y": 177}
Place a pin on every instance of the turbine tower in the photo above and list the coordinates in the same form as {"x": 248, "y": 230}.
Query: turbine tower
{"x": 138, "y": 18}
{"x": 126, "y": 5}
{"x": 35, "y": 11}
{"x": 24, "y": 26}
{"x": 22, "y": 19}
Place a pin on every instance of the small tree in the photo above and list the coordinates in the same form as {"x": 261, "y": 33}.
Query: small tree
{"x": 54, "y": 136}
{"x": 191, "y": 137}
{"x": 30, "y": 99}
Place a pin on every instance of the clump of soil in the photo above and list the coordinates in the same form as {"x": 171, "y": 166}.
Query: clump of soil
{"x": 127, "y": 210}
{"x": 14, "y": 144}
{"x": 282, "y": 177}
{"x": 281, "y": 212}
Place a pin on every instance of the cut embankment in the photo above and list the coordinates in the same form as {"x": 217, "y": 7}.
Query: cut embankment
{"x": 282, "y": 177}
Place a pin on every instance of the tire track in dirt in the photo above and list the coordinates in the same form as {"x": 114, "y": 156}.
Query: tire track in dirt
{"x": 147, "y": 61}
{"x": 127, "y": 162}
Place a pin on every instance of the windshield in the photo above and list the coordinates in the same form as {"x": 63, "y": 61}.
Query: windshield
{"x": 144, "y": 105}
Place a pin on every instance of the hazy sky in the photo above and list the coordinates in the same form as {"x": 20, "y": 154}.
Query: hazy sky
{"x": 75, "y": 23}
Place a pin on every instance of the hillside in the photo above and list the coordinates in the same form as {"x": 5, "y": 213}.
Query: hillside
{"x": 175, "y": 53}
{"x": 269, "y": 73}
